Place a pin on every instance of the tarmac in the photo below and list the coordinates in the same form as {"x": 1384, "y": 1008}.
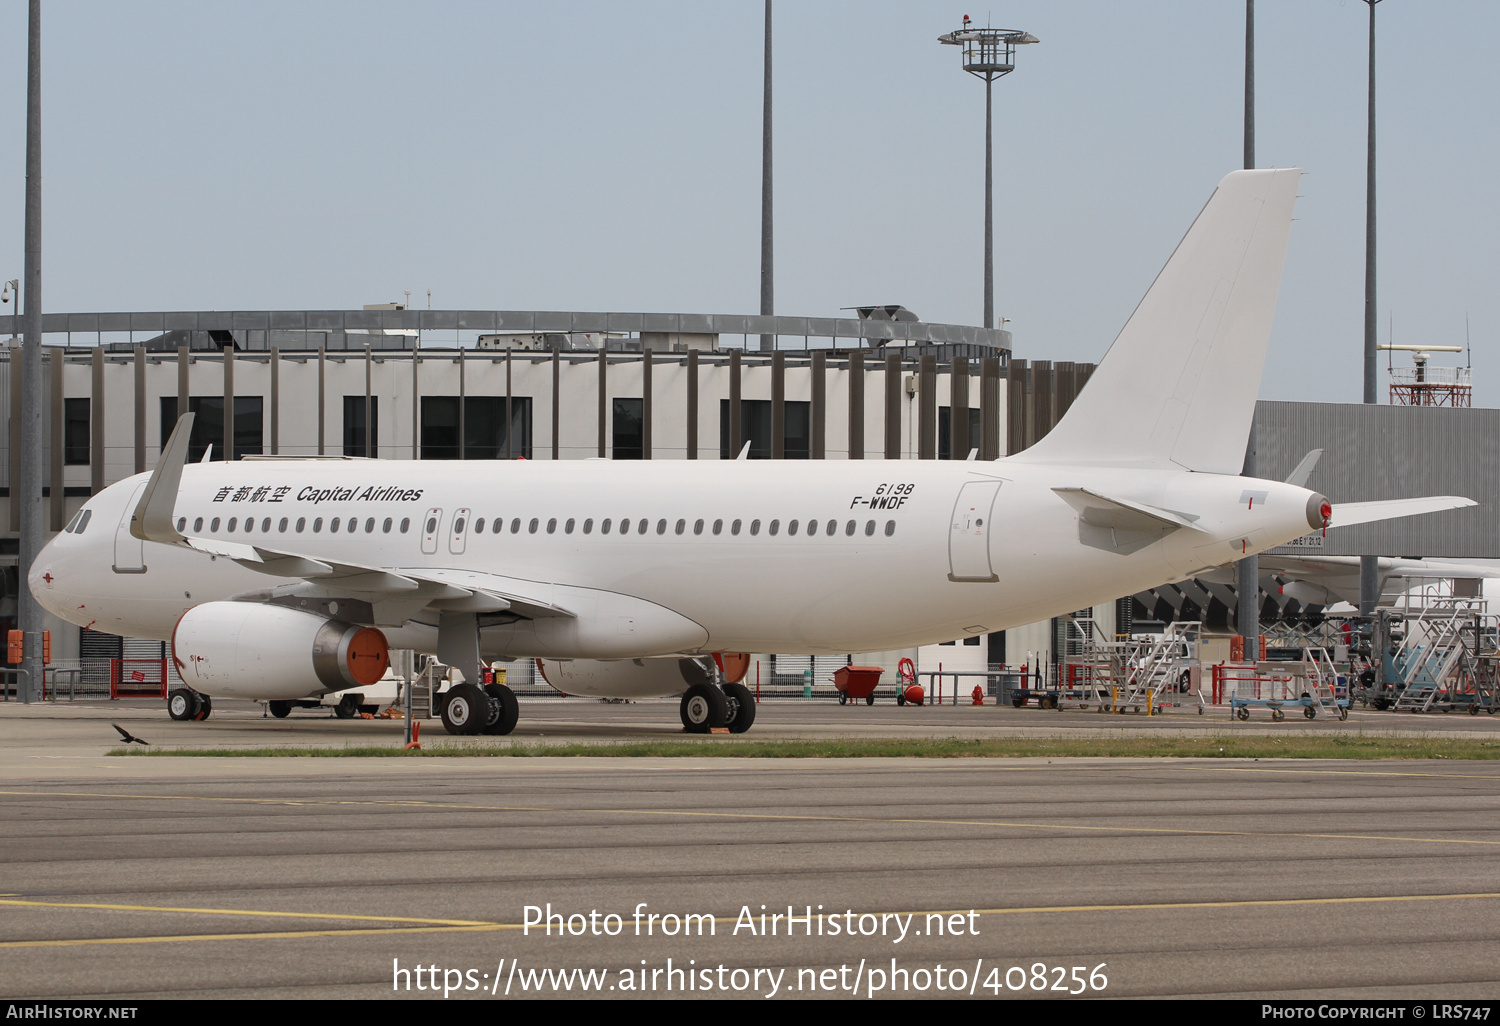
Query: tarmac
{"x": 125, "y": 879}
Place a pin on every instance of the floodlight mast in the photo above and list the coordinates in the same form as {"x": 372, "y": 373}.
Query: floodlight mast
{"x": 989, "y": 54}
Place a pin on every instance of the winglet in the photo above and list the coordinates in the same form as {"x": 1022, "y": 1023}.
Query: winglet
{"x": 152, "y": 520}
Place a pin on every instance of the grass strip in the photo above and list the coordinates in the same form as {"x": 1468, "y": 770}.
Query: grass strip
{"x": 1339, "y": 746}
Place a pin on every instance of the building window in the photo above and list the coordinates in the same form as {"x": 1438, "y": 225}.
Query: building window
{"x": 208, "y": 425}
{"x": 354, "y": 426}
{"x": 629, "y": 429}
{"x": 945, "y": 433}
{"x": 755, "y": 428}
{"x": 75, "y": 432}
{"x": 485, "y": 436}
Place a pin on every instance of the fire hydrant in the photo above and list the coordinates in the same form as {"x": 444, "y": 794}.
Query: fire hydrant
{"x": 977, "y": 695}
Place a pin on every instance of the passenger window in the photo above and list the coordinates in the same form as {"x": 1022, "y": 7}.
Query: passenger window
{"x": 369, "y": 525}
{"x": 870, "y": 529}
{"x": 181, "y": 523}
{"x": 333, "y": 525}
{"x": 405, "y": 524}
{"x": 281, "y": 527}
{"x": 718, "y": 527}
{"x": 265, "y": 526}
{"x": 515, "y": 526}
{"x": 604, "y": 527}
{"x": 431, "y": 525}
{"x": 499, "y": 525}
{"x": 697, "y": 527}
{"x": 534, "y": 523}
{"x": 479, "y": 526}
{"x": 625, "y": 526}
{"x": 233, "y": 522}
{"x": 644, "y": 526}
{"x": 681, "y": 526}
{"x": 568, "y": 527}
{"x": 849, "y": 528}
{"x": 661, "y": 527}
{"x": 812, "y": 528}
{"x": 890, "y": 528}
{"x": 734, "y": 528}
{"x": 588, "y": 527}
{"x": 791, "y": 529}
{"x": 214, "y": 527}
{"x": 386, "y": 527}
{"x": 301, "y": 524}
{"x": 552, "y": 526}
{"x": 458, "y": 526}
{"x": 318, "y": 524}
{"x": 754, "y": 528}
{"x": 197, "y": 525}
{"x": 773, "y": 527}
{"x": 249, "y": 524}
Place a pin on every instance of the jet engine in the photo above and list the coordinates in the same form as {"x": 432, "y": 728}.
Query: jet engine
{"x": 625, "y": 678}
{"x": 252, "y": 650}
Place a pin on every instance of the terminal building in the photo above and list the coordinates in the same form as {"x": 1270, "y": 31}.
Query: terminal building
{"x": 391, "y": 383}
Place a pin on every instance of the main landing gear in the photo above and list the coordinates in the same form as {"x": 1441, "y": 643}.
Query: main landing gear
{"x": 187, "y": 704}
{"x": 470, "y": 709}
{"x": 705, "y": 707}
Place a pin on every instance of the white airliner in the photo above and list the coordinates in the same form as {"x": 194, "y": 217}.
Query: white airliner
{"x": 285, "y": 579}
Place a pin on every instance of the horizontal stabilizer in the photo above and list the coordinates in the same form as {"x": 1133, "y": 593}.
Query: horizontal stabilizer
{"x": 1347, "y": 514}
{"x": 1120, "y": 514}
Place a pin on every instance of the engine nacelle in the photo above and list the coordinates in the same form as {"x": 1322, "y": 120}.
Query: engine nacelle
{"x": 625, "y": 678}
{"x": 252, "y": 650}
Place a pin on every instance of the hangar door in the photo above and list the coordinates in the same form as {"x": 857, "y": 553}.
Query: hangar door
{"x": 969, "y": 535}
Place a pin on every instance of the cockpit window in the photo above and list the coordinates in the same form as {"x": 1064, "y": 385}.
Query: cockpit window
{"x": 74, "y": 522}
{"x": 83, "y": 524}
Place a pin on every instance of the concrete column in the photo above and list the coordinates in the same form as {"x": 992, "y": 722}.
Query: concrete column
{"x": 275, "y": 401}
{"x": 556, "y": 397}
{"x": 603, "y": 399}
{"x": 1015, "y": 409}
{"x": 57, "y": 508}
{"x": 927, "y": 408}
{"x": 857, "y": 405}
{"x": 228, "y": 403}
{"x": 819, "y": 407}
{"x": 989, "y": 408}
{"x": 96, "y": 425}
{"x": 692, "y": 404}
{"x": 892, "y": 406}
{"x": 736, "y": 443}
{"x": 645, "y": 403}
{"x": 778, "y": 406}
{"x": 958, "y": 409}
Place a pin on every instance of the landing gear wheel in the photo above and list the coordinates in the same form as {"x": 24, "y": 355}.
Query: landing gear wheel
{"x": 1309, "y": 712}
{"x": 205, "y": 707}
{"x": 182, "y": 704}
{"x": 467, "y": 710}
{"x": 280, "y": 710}
{"x": 869, "y": 700}
{"x": 1242, "y": 713}
{"x": 510, "y": 709}
{"x": 741, "y": 704}
{"x": 703, "y": 708}
{"x": 843, "y": 698}
{"x": 348, "y": 707}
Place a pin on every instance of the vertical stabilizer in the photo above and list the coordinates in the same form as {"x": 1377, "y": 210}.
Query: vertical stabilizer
{"x": 1179, "y": 384}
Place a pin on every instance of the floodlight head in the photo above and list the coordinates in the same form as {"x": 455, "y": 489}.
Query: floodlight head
{"x": 989, "y": 53}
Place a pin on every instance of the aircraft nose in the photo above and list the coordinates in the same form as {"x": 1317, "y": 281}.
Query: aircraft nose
{"x": 44, "y": 575}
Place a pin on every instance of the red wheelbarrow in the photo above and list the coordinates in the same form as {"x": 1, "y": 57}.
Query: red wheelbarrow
{"x": 856, "y": 682}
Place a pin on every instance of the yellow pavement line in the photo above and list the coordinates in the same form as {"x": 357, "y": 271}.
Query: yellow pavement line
{"x": 759, "y": 919}
{"x": 774, "y": 817}
{"x": 244, "y": 912}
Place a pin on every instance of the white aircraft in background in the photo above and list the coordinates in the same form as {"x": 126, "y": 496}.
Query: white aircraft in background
{"x": 283, "y": 579}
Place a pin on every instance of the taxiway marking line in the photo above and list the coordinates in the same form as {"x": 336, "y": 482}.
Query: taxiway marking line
{"x": 762, "y": 817}
{"x": 1353, "y": 773}
{"x": 244, "y": 912}
{"x": 483, "y": 927}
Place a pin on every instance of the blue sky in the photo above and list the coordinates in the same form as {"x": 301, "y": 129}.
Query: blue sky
{"x": 214, "y": 155}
